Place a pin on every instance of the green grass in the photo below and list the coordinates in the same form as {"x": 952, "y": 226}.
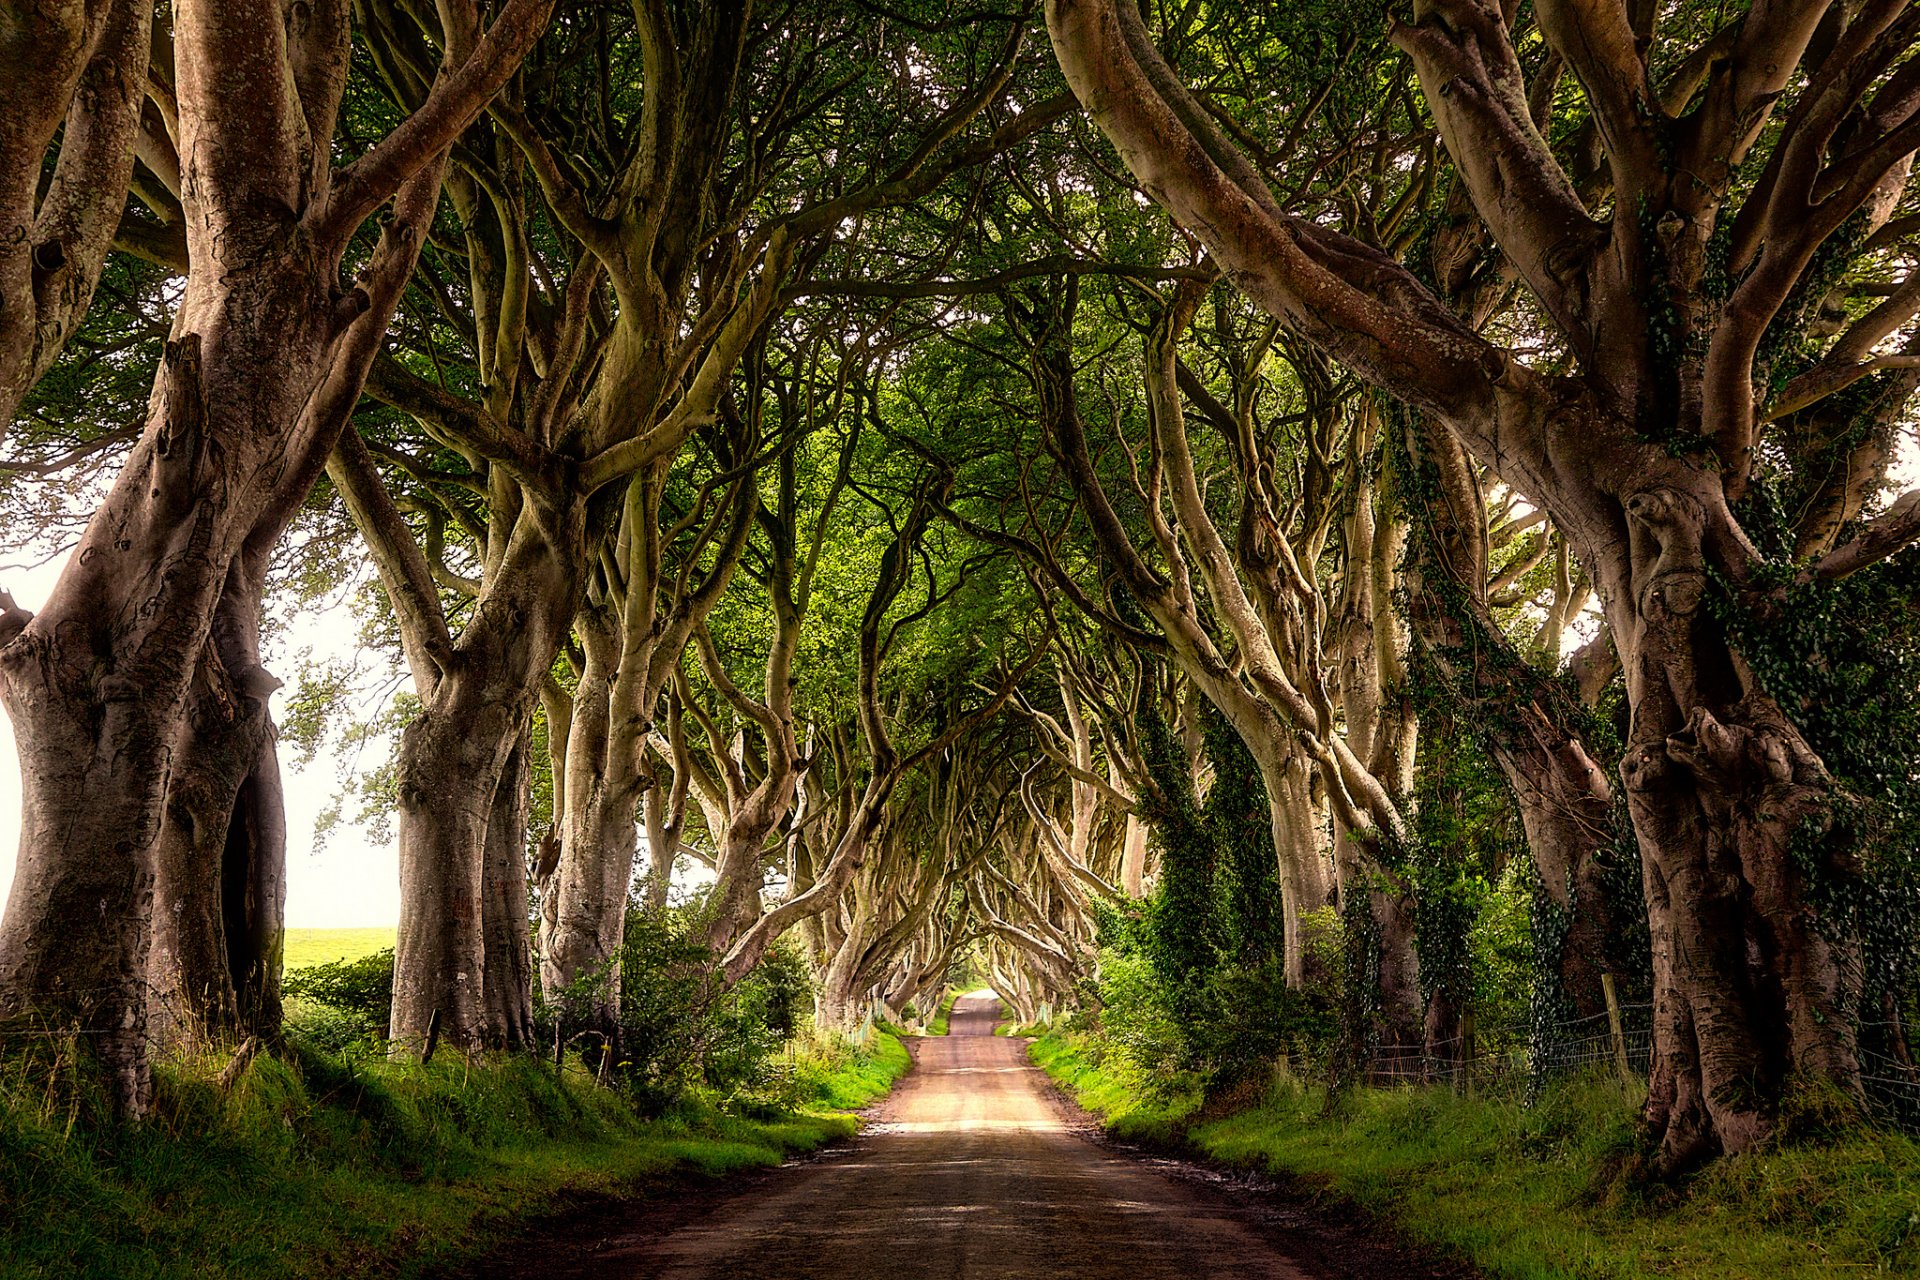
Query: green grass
{"x": 938, "y": 1027}
{"x": 1532, "y": 1193}
{"x": 1028, "y": 1032}
{"x": 319, "y": 946}
{"x": 842, "y": 1079}
{"x": 317, "y": 1167}
{"x": 1131, "y": 1109}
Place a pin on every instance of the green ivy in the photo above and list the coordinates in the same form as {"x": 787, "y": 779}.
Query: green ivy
{"x": 1843, "y": 661}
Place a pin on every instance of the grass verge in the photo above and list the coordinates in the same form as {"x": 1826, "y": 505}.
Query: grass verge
{"x": 1027, "y": 1032}
{"x": 314, "y": 1166}
{"x": 1530, "y": 1192}
{"x": 938, "y": 1027}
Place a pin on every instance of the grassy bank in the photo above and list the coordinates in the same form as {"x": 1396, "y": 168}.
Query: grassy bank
{"x": 1530, "y": 1193}
{"x": 939, "y": 1025}
{"x": 320, "y": 1166}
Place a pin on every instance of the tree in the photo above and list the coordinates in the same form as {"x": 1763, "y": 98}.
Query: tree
{"x": 1712, "y": 219}
{"x": 76, "y": 72}
{"x": 676, "y": 220}
{"x": 267, "y": 355}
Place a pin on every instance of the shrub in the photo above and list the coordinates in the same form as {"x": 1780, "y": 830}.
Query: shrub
{"x": 680, "y": 1025}
{"x": 335, "y": 1005}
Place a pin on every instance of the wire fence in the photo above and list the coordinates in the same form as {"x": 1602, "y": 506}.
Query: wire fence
{"x": 1521, "y": 1058}
{"x": 1889, "y": 1074}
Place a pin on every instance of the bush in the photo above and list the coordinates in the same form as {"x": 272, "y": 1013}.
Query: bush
{"x": 335, "y": 1005}
{"x": 1221, "y": 1025}
{"x": 680, "y": 1025}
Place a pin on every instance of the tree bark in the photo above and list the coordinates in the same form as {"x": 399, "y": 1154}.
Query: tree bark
{"x": 507, "y": 952}
{"x": 1565, "y": 808}
{"x": 665, "y": 820}
{"x": 450, "y": 765}
{"x": 220, "y": 861}
{"x": 76, "y": 71}
{"x": 1749, "y": 989}
{"x": 587, "y": 896}
{"x": 1133, "y": 859}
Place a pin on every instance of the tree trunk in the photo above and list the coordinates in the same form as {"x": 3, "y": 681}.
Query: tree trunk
{"x": 840, "y": 1005}
{"x": 737, "y": 900}
{"x": 1403, "y": 1013}
{"x": 1751, "y": 990}
{"x": 96, "y": 685}
{"x": 587, "y": 899}
{"x": 450, "y": 766}
{"x": 663, "y": 844}
{"x": 1296, "y": 838}
{"x": 1564, "y": 807}
{"x": 1302, "y": 880}
{"x": 451, "y": 761}
{"x": 1133, "y": 859}
{"x": 219, "y": 877}
{"x": 220, "y": 862}
{"x": 507, "y": 949}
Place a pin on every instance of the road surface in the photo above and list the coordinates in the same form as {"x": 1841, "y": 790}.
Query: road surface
{"x": 975, "y": 1171}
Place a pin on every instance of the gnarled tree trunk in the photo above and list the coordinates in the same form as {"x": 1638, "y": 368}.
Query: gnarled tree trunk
{"x": 506, "y": 946}
{"x": 586, "y": 898}
{"x": 1750, "y": 988}
{"x": 450, "y": 765}
{"x": 220, "y": 862}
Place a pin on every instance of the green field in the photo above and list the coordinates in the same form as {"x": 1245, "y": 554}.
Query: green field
{"x": 318, "y": 946}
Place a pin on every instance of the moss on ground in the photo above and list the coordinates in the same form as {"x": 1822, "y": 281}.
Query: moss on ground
{"x": 1533, "y": 1192}
{"x": 314, "y": 1166}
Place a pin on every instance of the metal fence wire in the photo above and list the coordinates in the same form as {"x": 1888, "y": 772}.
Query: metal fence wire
{"x": 1889, "y": 1077}
{"x": 1889, "y": 1074}
{"x": 1533, "y": 1052}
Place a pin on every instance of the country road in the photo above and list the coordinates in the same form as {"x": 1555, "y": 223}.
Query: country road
{"x": 976, "y": 1171}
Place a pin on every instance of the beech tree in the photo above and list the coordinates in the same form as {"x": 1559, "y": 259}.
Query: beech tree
{"x": 682, "y": 215}
{"x": 268, "y": 350}
{"x": 1722, "y": 191}
{"x": 757, "y": 779}
{"x": 78, "y": 74}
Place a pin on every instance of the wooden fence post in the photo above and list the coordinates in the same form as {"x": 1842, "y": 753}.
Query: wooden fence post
{"x": 1466, "y": 1051}
{"x": 433, "y": 1037}
{"x": 1617, "y": 1027}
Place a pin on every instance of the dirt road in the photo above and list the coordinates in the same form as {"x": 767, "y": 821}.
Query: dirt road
{"x": 976, "y": 1172}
